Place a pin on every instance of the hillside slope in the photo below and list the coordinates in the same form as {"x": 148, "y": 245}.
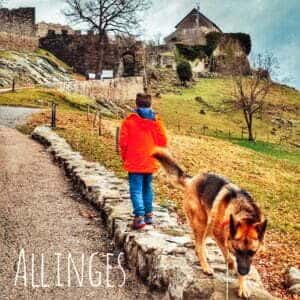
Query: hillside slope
{"x": 203, "y": 109}
{"x": 38, "y": 67}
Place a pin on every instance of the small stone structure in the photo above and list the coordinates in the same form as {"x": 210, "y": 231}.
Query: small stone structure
{"x": 164, "y": 256}
{"x": 195, "y": 31}
{"x": 118, "y": 90}
{"x": 192, "y": 29}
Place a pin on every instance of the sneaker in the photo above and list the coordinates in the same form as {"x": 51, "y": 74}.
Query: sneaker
{"x": 149, "y": 220}
{"x": 138, "y": 223}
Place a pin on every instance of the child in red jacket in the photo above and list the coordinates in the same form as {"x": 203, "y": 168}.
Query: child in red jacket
{"x": 140, "y": 133}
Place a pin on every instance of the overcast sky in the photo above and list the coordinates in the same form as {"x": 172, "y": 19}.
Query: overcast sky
{"x": 273, "y": 24}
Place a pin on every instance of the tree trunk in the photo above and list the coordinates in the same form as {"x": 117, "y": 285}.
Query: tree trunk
{"x": 248, "y": 118}
{"x": 250, "y": 129}
{"x": 101, "y": 51}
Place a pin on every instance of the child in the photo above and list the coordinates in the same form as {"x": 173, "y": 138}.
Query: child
{"x": 140, "y": 133}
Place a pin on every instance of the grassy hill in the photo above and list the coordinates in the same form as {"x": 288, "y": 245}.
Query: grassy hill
{"x": 202, "y": 109}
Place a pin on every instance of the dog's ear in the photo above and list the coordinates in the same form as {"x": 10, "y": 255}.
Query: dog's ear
{"x": 261, "y": 229}
{"x": 233, "y": 227}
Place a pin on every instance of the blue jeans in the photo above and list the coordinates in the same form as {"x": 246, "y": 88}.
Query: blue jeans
{"x": 141, "y": 193}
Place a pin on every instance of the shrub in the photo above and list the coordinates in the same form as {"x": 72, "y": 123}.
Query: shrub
{"x": 212, "y": 40}
{"x": 191, "y": 52}
{"x": 244, "y": 39}
{"x": 184, "y": 71}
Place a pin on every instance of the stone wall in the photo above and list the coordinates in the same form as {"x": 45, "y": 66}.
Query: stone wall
{"x": 17, "y": 29}
{"x": 43, "y": 28}
{"x": 9, "y": 41}
{"x": 80, "y": 51}
{"x": 164, "y": 256}
{"x": 20, "y": 21}
{"x": 118, "y": 90}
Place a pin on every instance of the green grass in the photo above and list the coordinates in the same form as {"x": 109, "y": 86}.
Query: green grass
{"x": 42, "y": 98}
{"x": 52, "y": 59}
{"x": 6, "y": 54}
{"x": 273, "y": 150}
{"x": 181, "y": 111}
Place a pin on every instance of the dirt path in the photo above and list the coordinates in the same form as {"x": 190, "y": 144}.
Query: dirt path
{"x": 13, "y": 116}
{"x": 41, "y": 214}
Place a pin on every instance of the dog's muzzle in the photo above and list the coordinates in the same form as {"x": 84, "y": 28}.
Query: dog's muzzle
{"x": 243, "y": 270}
{"x": 243, "y": 266}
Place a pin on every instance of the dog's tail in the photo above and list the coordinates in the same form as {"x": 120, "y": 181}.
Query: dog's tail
{"x": 170, "y": 166}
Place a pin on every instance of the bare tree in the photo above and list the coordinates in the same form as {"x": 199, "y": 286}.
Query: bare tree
{"x": 104, "y": 16}
{"x": 250, "y": 92}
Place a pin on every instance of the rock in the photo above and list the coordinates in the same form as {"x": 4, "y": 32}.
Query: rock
{"x": 35, "y": 69}
{"x": 197, "y": 290}
{"x": 293, "y": 277}
{"x": 295, "y": 289}
{"x": 293, "y": 281}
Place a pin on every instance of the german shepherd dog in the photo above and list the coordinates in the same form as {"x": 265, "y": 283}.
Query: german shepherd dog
{"x": 215, "y": 207}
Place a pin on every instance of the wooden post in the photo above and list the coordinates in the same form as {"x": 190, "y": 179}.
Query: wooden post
{"x": 13, "y": 88}
{"x": 95, "y": 118}
{"x": 88, "y": 112}
{"x": 117, "y": 139}
{"x": 53, "y": 115}
{"x": 100, "y": 124}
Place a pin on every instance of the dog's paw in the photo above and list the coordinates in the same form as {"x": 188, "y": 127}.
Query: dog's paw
{"x": 244, "y": 292}
{"x": 208, "y": 271}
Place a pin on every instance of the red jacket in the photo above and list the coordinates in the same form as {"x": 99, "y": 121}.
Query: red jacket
{"x": 138, "y": 138}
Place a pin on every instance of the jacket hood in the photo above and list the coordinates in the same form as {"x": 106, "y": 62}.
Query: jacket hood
{"x": 146, "y": 113}
{"x": 137, "y": 118}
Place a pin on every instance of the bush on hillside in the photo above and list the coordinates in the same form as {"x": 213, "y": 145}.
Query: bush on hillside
{"x": 191, "y": 52}
{"x": 184, "y": 71}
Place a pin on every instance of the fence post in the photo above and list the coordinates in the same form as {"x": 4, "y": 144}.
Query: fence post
{"x": 53, "y": 115}
{"x": 13, "y": 89}
{"x": 117, "y": 139}
{"x": 88, "y": 113}
{"x": 100, "y": 124}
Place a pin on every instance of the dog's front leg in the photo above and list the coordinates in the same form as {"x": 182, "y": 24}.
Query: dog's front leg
{"x": 202, "y": 258}
{"x": 244, "y": 291}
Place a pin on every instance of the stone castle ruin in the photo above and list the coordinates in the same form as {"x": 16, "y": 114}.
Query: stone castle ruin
{"x": 200, "y": 41}
{"x": 20, "y": 32}
{"x": 196, "y": 38}
{"x": 124, "y": 57}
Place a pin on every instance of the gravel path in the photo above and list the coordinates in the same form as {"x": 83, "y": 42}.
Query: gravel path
{"x": 13, "y": 116}
{"x": 41, "y": 214}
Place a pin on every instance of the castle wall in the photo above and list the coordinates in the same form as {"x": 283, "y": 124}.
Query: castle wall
{"x": 43, "y": 28}
{"x": 82, "y": 52}
{"x": 78, "y": 51}
{"x": 13, "y": 42}
{"x": 17, "y": 29}
{"x": 20, "y": 21}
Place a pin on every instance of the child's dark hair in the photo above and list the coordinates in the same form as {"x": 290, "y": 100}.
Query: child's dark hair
{"x": 143, "y": 100}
